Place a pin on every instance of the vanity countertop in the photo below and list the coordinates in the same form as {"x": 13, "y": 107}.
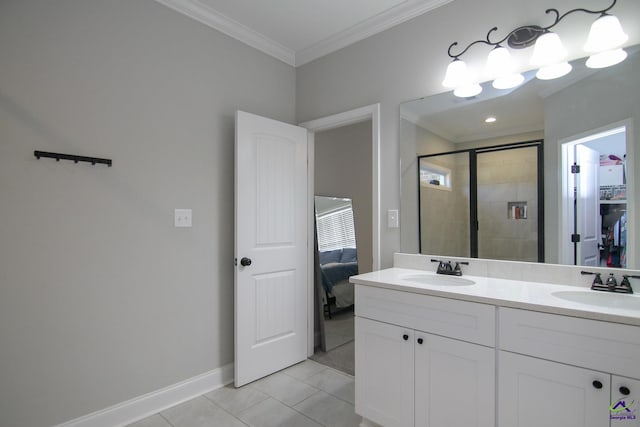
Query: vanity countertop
{"x": 510, "y": 293}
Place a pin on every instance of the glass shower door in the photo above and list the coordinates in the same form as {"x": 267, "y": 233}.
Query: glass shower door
{"x": 507, "y": 207}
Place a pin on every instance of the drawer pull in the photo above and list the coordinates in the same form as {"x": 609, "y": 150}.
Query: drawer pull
{"x": 405, "y": 337}
{"x": 625, "y": 391}
{"x": 420, "y": 340}
{"x": 597, "y": 384}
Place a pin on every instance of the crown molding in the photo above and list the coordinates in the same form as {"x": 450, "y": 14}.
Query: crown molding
{"x": 367, "y": 28}
{"x": 201, "y": 12}
{"x": 212, "y": 18}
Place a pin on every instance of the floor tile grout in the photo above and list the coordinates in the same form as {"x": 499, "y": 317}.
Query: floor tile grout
{"x": 323, "y": 370}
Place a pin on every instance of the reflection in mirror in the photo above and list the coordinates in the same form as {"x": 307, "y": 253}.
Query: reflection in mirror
{"x": 482, "y": 202}
{"x": 563, "y": 113}
{"x": 336, "y": 262}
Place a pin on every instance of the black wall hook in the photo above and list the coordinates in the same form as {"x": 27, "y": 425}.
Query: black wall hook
{"x": 74, "y": 158}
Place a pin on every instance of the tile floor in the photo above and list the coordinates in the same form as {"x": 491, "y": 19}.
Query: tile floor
{"x": 306, "y": 394}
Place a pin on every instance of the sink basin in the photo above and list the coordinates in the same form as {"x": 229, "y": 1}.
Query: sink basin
{"x": 600, "y": 299}
{"x": 431, "y": 279}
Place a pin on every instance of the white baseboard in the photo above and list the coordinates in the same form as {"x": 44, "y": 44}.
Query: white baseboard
{"x": 146, "y": 405}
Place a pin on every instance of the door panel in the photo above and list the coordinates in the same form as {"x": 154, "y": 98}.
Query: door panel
{"x": 384, "y": 396}
{"x": 271, "y": 232}
{"x": 455, "y": 383}
{"x": 535, "y": 392}
{"x": 588, "y": 206}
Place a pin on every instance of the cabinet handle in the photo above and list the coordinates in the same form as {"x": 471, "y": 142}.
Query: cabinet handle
{"x": 625, "y": 391}
{"x": 597, "y": 384}
{"x": 420, "y": 340}
{"x": 405, "y": 337}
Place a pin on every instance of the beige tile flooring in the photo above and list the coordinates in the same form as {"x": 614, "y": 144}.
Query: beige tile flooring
{"x": 306, "y": 394}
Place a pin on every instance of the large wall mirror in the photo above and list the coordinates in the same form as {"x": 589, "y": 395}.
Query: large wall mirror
{"x": 504, "y": 189}
{"x": 336, "y": 262}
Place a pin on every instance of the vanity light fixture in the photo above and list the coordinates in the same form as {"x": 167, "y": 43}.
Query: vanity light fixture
{"x": 604, "y": 42}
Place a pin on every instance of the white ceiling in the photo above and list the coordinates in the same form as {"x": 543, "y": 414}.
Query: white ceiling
{"x": 299, "y": 31}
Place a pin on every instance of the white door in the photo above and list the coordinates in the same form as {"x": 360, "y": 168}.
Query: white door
{"x": 271, "y": 246}
{"x": 384, "y": 368}
{"x": 535, "y": 392}
{"x": 588, "y": 206}
{"x": 454, "y": 383}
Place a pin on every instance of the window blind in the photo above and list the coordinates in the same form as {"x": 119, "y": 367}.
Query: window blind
{"x": 336, "y": 230}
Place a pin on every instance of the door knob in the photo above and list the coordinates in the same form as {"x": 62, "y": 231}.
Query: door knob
{"x": 245, "y": 262}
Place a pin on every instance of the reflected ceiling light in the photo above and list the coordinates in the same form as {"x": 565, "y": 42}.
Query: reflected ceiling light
{"x": 606, "y": 58}
{"x": 508, "y": 82}
{"x": 468, "y": 91}
{"x": 554, "y": 71}
{"x": 490, "y": 119}
{"x": 605, "y": 38}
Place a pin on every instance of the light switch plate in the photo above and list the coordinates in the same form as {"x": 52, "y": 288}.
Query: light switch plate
{"x": 182, "y": 218}
{"x": 392, "y": 218}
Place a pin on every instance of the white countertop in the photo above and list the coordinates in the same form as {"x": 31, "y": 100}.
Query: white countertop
{"x": 505, "y": 293}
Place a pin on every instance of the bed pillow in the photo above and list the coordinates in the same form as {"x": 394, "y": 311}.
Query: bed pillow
{"x": 330, "y": 256}
{"x": 349, "y": 255}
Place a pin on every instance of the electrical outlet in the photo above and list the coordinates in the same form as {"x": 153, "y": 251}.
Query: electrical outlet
{"x": 392, "y": 218}
{"x": 182, "y": 218}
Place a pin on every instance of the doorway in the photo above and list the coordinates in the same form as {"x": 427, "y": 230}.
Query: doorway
{"x": 346, "y": 146}
{"x": 597, "y": 198}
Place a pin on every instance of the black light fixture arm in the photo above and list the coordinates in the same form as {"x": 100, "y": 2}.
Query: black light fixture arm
{"x": 529, "y": 32}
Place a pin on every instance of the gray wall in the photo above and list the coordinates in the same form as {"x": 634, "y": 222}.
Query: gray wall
{"x": 101, "y": 298}
{"x": 343, "y": 169}
{"x": 408, "y": 61}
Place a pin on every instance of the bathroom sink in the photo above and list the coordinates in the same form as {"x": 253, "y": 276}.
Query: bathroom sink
{"x": 600, "y": 299}
{"x": 431, "y": 279}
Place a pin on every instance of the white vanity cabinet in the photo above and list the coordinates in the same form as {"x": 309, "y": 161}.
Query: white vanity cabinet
{"x": 424, "y": 360}
{"x": 563, "y": 371}
{"x": 535, "y": 392}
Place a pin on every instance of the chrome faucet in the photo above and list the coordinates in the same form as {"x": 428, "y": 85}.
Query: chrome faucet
{"x": 447, "y": 267}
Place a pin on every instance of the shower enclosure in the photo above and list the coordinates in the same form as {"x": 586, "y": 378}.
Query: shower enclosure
{"x": 483, "y": 202}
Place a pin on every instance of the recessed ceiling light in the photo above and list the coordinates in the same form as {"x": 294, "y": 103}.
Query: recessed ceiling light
{"x": 490, "y": 119}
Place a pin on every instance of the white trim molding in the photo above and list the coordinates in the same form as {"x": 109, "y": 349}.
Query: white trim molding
{"x": 376, "y": 24}
{"x": 205, "y": 14}
{"x": 149, "y": 404}
{"x": 369, "y": 112}
{"x": 214, "y": 19}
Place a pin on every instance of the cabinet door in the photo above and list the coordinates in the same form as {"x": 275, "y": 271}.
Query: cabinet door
{"x": 535, "y": 392}
{"x": 384, "y": 373}
{"x": 454, "y": 383}
{"x": 625, "y": 402}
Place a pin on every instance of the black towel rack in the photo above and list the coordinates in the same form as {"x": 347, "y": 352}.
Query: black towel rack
{"x": 76, "y": 159}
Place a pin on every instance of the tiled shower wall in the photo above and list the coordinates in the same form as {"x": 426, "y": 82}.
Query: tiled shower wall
{"x": 444, "y": 214}
{"x": 503, "y": 177}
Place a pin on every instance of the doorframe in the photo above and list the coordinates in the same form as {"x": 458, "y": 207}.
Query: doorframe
{"x": 368, "y": 112}
{"x": 565, "y": 196}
